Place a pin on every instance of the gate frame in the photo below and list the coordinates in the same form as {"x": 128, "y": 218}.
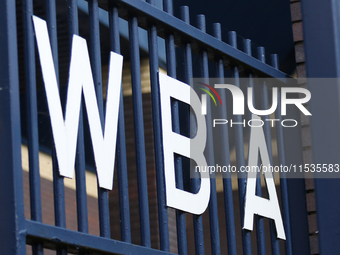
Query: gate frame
{"x": 12, "y": 224}
{"x": 322, "y": 48}
{"x": 15, "y": 229}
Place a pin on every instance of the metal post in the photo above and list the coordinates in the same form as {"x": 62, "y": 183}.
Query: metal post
{"x": 12, "y": 224}
{"x": 322, "y": 49}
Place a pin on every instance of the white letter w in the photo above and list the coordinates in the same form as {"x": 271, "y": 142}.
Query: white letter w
{"x": 80, "y": 80}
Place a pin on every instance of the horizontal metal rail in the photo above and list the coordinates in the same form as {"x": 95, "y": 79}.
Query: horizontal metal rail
{"x": 52, "y": 236}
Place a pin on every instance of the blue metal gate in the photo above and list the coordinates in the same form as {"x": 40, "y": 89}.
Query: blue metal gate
{"x": 17, "y": 231}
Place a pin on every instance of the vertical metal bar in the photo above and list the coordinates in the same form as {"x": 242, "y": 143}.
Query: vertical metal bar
{"x": 51, "y": 20}
{"x": 267, "y": 133}
{"x": 170, "y": 47}
{"x": 168, "y": 6}
{"x": 73, "y": 18}
{"x": 260, "y": 232}
{"x": 282, "y": 161}
{"x": 322, "y": 49}
{"x": 58, "y": 181}
{"x": 139, "y": 132}
{"x": 157, "y": 131}
{"x": 82, "y": 216}
{"x": 171, "y": 71}
{"x": 213, "y": 210}
{"x": 59, "y": 199}
{"x": 96, "y": 54}
{"x": 103, "y": 198}
{"x": 239, "y": 147}
{"x": 224, "y": 136}
{"x": 123, "y": 189}
{"x": 12, "y": 224}
{"x": 180, "y": 215}
{"x": 32, "y": 118}
{"x": 187, "y": 47}
{"x": 198, "y": 221}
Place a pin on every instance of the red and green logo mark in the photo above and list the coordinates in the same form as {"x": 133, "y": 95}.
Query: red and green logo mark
{"x": 209, "y": 93}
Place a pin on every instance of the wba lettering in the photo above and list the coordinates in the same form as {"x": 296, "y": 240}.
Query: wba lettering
{"x": 65, "y": 130}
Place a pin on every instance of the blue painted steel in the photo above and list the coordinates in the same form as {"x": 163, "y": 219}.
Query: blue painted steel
{"x": 80, "y": 167}
{"x": 95, "y": 54}
{"x": 73, "y": 18}
{"x": 187, "y": 54}
{"x": 239, "y": 147}
{"x": 224, "y": 136}
{"x": 123, "y": 29}
{"x": 267, "y": 133}
{"x": 168, "y": 7}
{"x": 202, "y": 40}
{"x": 171, "y": 71}
{"x": 103, "y": 199}
{"x": 76, "y": 241}
{"x": 139, "y": 133}
{"x": 213, "y": 209}
{"x": 181, "y": 222}
{"x": 260, "y": 232}
{"x": 123, "y": 189}
{"x": 198, "y": 221}
{"x": 158, "y": 144}
{"x": 51, "y": 21}
{"x": 32, "y": 119}
{"x": 12, "y": 232}
{"x": 58, "y": 181}
{"x": 32, "y": 123}
{"x": 59, "y": 199}
{"x": 282, "y": 161}
{"x": 322, "y": 49}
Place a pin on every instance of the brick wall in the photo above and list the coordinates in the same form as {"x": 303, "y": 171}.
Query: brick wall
{"x": 47, "y": 201}
{"x": 131, "y": 162}
{"x": 70, "y": 207}
{"x": 132, "y": 177}
{"x": 306, "y": 138}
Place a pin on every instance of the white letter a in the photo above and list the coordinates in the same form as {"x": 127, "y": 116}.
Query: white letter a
{"x": 254, "y": 204}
